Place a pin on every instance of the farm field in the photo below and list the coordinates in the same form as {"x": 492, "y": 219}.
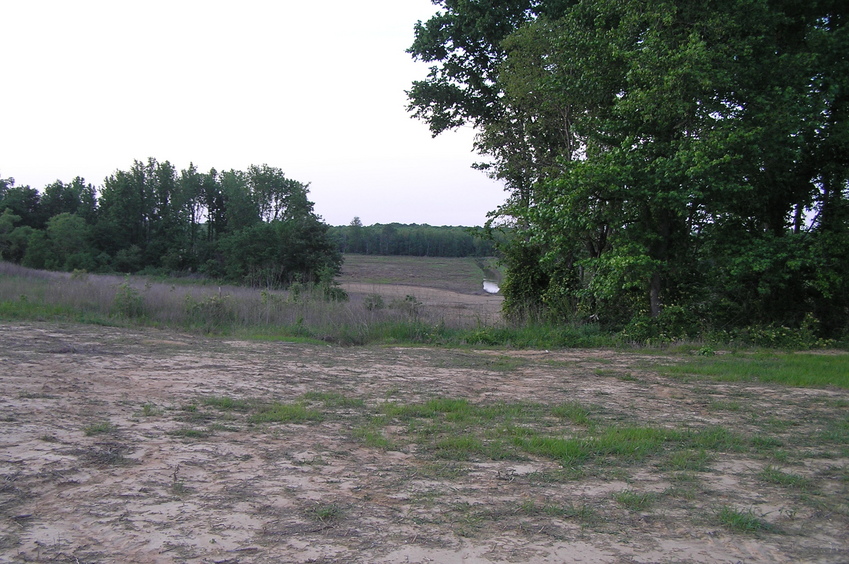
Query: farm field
{"x": 145, "y": 445}
{"x": 448, "y": 287}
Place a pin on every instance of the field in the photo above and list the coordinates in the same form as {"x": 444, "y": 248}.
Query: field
{"x": 124, "y": 444}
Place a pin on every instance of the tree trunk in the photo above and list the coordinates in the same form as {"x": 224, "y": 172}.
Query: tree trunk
{"x": 654, "y": 295}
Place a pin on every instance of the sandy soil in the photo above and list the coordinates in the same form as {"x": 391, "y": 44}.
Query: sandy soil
{"x": 108, "y": 453}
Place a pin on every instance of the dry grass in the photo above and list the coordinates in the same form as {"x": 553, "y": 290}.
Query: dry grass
{"x": 193, "y": 305}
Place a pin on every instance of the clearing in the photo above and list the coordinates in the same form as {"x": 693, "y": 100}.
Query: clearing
{"x": 126, "y": 445}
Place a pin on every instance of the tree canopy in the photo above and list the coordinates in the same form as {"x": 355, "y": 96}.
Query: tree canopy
{"x": 679, "y": 165}
{"x": 256, "y": 226}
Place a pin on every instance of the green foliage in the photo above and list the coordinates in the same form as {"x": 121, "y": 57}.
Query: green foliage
{"x": 396, "y": 239}
{"x": 128, "y": 302}
{"x": 256, "y": 227}
{"x": 635, "y": 501}
{"x": 743, "y": 521}
{"x": 374, "y": 302}
{"x": 286, "y": 413}
{"x": 409, "y": 306}
{"x": 672, "y": 169}
{"x": 215, "y": 313}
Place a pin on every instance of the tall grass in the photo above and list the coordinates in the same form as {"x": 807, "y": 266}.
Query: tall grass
{"x": 302, "y": 314}
{"x": 266, "y": 314}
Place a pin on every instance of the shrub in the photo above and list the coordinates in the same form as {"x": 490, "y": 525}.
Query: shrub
{"x": 128, "y": 301}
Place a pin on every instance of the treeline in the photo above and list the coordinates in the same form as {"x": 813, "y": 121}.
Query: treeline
{"x": 413, "y": 240}
{"x": 673, "y": 168}
{"x": 253, "y": 227}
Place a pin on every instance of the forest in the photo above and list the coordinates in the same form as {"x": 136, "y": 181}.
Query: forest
{"x": 255, "y": 227}
{"x": 414, "y": 240}
{"x": 673, "y": 168}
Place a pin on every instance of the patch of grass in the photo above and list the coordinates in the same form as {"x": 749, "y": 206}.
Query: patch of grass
{"x": 743, "y": 521}
{"x": 688, "y": 460}
{"x": 635, "y": 501}
{"x": 773, "y": 475}
{"x": 724, "y": 406}
{"x": 715, "y": 438}
{"x": 584, "y": 513}
{"x": 190, "y": 433}
{"x": 227, "y": 403}
{"x": 572, "y": 411}
{"x": 286, "y": 413}
{"x": 789, "y": 369}
{"x": 325, "y": 512}
{"x": 458, "y": 447}
{"x": 373, "y": 437}
{"x": 101, "y": 428}
{"x": 531, "y": 508}
{"x": 150, "y": 410}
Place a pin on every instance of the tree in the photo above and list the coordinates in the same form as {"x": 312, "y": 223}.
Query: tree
{"x": 657, "y": 153}
{"x": 70, "y": 243}
{"x": 77, "y": 197}
{"x": 23, "y": 201}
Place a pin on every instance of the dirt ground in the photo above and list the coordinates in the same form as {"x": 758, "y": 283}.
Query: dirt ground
{"x": 113, "y": 449}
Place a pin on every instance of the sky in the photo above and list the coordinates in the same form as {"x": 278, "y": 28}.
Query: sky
{"x": 316, "y": 89}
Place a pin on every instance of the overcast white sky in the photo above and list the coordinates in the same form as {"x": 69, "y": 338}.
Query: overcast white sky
{"x": 314, "y": 88}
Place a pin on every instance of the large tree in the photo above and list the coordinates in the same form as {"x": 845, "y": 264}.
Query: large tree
{"x": 657, "y": 153}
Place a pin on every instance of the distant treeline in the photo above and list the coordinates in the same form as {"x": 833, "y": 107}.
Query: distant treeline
{"x": 253, "y": 227}
{"x": 412, "y": 240}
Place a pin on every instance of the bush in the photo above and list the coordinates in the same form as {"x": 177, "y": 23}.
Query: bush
{"x": 215, "y": 313}
{"x": 128, "y": 302}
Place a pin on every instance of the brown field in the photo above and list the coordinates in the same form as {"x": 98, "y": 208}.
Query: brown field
{"x": 145, "y": 445}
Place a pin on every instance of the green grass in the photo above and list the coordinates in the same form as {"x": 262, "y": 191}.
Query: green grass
{"x": 635, "y": 501}
{"x": 228, "y": 403}
{"x": 286, "y": 413}
{"x": 743, "y": 521}
{"x": 773, "y": 475}
{"x": 789, "y": 369}
{"x": 190, "y": 433}
{"x": 572, "y": 411}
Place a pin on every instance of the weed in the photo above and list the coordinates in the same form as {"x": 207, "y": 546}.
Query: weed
{"x": 286, "y": 413}
{"x": 228, "y": 403}
{"x": 325, "y": 512}
{"x": 688, "y": 460}
{"x": 189, "y": 433}
{"x": 99, "y": 428}
{"x": 743, "y": 521}
{"x": 374, "y": 302}
{"x": 128, "y": 302}
{"x": 573, "y": 411}
{"x": 457, "y": 447}
{"x": 373, "y": 438}
{"x": 724, "y": 406}
{"x": 150, "y": 410}
{"x": 773, "y": 475}
{"x": 635, "y": 501}
{"x": 531, "y": 508}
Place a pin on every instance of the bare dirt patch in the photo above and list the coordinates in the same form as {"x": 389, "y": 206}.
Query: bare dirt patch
{"x": 149, "y": 446}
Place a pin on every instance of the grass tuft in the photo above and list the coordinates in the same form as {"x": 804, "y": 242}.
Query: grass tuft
{"x": 743, "y": 521}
